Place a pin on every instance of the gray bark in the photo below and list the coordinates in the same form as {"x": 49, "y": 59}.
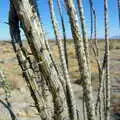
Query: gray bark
{"x": 24, "y": 63}
{"x": 84, "y": 32}
{"x": 79, "y": 45}
{"x": 107, "y": 116}
{"x": 69, "y": 93}
{"x": 6, "y": 102}
{"x": 94, "y": 25}
{"x": 100, "y": 90}
{"x": 101, "y": 70}
{"x": 8, "y": 107}
{"x": 64, "y": 32}
{"x": 35, "y": 37}
{"x": 118, "y": 3}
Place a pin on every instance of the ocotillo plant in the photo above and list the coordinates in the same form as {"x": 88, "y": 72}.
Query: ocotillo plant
{"x": 6, "y": 87}
{"x": 64, "y": 31}
{"x": 25, "y": 65}
{"x": 107, "y": 112}
{"x": 82, "y": 59}
{"x": 118, "y": 3}
{"x": 35, "y": 37}
{"x": 69, "y": 92}
{"x": 83, "y": 28}
{"x": 85, "y": 41}
{"x": 39, "y": 67}
{"x": 94, "y": 27}
{"x": 96, "y": 54}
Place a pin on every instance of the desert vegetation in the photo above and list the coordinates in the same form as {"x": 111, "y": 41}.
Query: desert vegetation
{"x": 59, "y": 79}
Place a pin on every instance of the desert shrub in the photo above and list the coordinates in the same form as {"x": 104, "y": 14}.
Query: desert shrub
{"x": 111, "y": 46}
{"x": 114, "y": 44}
{"x": 5, "y": 83}
{"x": 115, "y": 96}
{"x": 117, "y": 47}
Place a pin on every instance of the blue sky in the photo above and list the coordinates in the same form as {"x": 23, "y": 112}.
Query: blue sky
{"x": 43, "y": 8}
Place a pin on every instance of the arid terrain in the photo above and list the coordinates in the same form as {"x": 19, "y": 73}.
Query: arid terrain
{"x": 20, "y": 98}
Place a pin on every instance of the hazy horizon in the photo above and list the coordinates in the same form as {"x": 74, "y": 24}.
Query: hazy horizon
{"x": 45, "y": 16}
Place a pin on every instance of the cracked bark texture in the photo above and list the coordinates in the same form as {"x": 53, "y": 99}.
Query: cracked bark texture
{"x": 94, "y": 26}
{"x": 118, "y": 3}
{"x": 6, "y": 102}
{"x": 44, "y": 79}
{"x": 24, "y": 63}
{"x": 83, "y": 28}
{"x": 107, "y": 112}
{"x": 82, "y": 60}
{"x": 69, "y": 93}
{"x": 33, "y": 31}
{"x": 64, "y": 32}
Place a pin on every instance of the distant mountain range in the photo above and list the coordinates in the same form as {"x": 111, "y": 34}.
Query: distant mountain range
{"x": 115, "y": 37}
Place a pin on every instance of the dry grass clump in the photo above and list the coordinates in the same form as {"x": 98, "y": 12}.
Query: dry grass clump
{"x": 10, "y": 66}
{"x": 13, "y": 71}
{"x": 116, "y": 96}
{"x": 114, "y": 44}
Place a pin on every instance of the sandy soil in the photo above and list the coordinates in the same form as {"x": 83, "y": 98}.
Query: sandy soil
{"x": 21, "y": 100}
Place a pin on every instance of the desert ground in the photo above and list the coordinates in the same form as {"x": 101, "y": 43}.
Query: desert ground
{"x": 20, "y": 98}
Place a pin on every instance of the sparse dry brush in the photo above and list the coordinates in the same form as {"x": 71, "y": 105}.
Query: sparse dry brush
{"x": 49, "y": 83}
